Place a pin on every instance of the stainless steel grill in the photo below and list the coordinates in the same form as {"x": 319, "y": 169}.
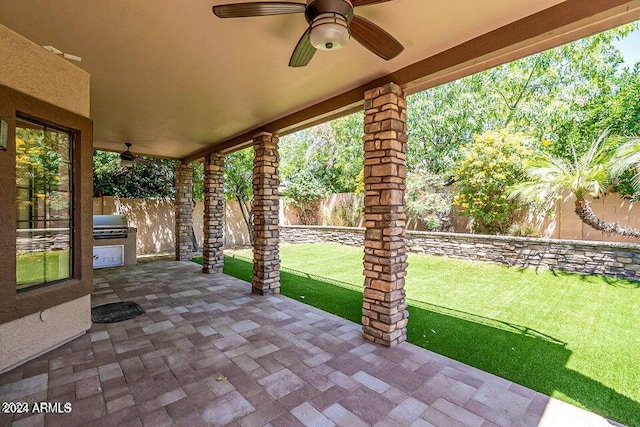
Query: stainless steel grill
{"x": 110, "y": 227}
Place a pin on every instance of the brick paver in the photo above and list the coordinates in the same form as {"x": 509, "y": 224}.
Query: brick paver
{"x": 207, "y": 352}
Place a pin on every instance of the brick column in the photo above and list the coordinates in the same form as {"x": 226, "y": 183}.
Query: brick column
{"x": 266, "y": 199}
{"x": 184, "y": 212}
{"x": 384, "y": 310}
{"x": 213, "y": 214}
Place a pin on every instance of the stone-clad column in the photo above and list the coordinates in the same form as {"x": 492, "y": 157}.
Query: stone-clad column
{"x": 213, "y": 214}
{"x": 184, "y": 212}
{"x": 266, "y": 199}
{"x": 384, "y": 310}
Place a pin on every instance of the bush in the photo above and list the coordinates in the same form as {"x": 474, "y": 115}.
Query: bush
{"x": 526, "y": 230}
{"x": 491, "y": 166}
{"x": 428, "y": 200}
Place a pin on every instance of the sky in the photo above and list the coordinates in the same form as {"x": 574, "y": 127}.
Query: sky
{"x": 630, "y": 47}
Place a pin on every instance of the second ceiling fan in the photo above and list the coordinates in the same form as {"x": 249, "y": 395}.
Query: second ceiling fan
{"x": 331, "y": 24}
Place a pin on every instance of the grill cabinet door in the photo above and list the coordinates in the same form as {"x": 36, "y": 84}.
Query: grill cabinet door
{"x": 108, "y": 256}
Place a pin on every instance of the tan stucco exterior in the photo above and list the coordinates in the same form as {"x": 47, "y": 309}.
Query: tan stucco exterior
{"x": 46, "y": 87}
{"x": 30, "y": 336}
{"x": 30, "y": 69}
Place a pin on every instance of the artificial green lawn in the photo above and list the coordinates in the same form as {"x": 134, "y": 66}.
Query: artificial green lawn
{"x": 573, "y": 337}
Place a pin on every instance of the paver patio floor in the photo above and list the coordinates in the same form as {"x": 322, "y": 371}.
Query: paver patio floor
{"x": 207, "y": 352}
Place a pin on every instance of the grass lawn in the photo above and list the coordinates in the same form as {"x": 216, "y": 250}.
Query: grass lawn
{"x": 33, "y": 267}
{"x": 570, "y": 336}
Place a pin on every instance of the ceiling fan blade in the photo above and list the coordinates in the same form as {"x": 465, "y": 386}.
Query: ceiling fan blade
{"x": 303, "y": 52}
{"x": 375, "y": 38}
{"x": 243, "y": 10}
{"x": 142, "y": 161}
{"x": 357, "y": 3}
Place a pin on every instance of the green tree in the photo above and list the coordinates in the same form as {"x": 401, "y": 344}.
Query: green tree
{"x": 325, "y": 159}
{"x": 564, "y": 95}
{"x": 198, "y": 181}
{"x": 490, "y": 167}
{"x": 588, "y": 175}
{"x": 428, "y": 200}
{"x": 442, "y": 120}
{"x": 238, "y": 183}
{"x": 152, "y": 180}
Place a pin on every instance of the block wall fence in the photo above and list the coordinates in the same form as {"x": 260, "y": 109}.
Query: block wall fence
{"x": 620, "y": 260}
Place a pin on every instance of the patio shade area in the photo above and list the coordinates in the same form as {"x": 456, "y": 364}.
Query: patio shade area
{"x": 208, "y": 352}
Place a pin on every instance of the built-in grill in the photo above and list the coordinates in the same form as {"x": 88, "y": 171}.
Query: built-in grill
{"x": 114, "y": 242}
{"x": 110, "y": 226}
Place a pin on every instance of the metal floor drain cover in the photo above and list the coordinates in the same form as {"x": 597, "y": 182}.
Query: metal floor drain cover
{"x": 116, "y": 312}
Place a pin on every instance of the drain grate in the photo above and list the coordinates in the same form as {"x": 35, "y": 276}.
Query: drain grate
{"x": 116, "y": 312}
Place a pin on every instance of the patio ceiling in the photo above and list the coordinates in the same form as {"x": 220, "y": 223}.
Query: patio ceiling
{"x": 176, "y": 81}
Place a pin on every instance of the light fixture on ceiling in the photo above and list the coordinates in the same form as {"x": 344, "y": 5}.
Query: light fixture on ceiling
{"x": 329, "y": 31}
{"x": 331, "y": 25}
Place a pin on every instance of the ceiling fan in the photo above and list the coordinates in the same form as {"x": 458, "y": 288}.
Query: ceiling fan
{"x": 331, "y": 24}
{"x": 127, "y": 158}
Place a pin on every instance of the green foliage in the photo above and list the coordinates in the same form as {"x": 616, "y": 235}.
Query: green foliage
{"x": 198, "y": 181}
{"x": 238, "y": 175}
{"x": 303, "y": 192}
{"x": 567, "y": 95}
{"x": 428, "y": 200}
{"x": 442, "y": 120}
{"x": 322, "y": 160}
{"x": 490, "y": 167}
{"x": 155, "y": 180}
{"x": 304, "y": 188}
{"x": 626, "y": 165}
{"x": 590, "y": 174}
{"x": 525, "y": 230}
{"x": 548, "y": 175}
{"x": 238, "y": 183}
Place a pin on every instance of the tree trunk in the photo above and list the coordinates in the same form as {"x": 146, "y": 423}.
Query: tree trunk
{"x": 247, "y": 216}
{"x": 589, "y": 217}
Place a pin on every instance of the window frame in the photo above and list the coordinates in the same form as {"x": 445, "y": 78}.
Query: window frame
{"x": 13, "y": 304}
{"x": 71, "y": 161}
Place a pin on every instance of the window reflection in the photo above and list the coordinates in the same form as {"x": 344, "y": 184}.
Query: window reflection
{"x": 44, "y": 203}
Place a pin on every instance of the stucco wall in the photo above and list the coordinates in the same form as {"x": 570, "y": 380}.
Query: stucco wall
{"x": 28, "y": 337}
{"x": 44, "y": 318}
{"x": 155, "y": 221}
{"x": 30, "y": 69}
{"x": 564, "y": 224}
{"x": 609, "y": 259}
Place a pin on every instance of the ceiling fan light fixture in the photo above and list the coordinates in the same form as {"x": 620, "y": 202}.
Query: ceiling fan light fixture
{"x": 329, "y": 31}
{"x": 126, "y": 163}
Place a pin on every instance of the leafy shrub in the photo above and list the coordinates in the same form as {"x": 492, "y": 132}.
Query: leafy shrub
{"x": 523, "y": 230}
{"x": 491, "y": 166}
{"x": 428, "y": 200}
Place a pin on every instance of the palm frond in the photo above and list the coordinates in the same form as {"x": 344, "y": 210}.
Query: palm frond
{"x": 628, "y": 157}
{"x": 548, "y": 175}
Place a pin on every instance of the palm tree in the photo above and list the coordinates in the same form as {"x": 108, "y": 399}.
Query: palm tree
{"x": 591, "y": 174}
{"x": 628, "y": 157}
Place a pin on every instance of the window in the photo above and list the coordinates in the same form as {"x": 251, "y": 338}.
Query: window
{"x": 44, "y": 204}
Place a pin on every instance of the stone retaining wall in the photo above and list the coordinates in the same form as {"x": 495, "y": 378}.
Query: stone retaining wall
{"x": 609, "y": 259}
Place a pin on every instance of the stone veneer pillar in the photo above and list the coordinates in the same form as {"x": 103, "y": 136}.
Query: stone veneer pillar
{"x": 384, "y": 310}
{"x": 266, "y": 199}
{"x": 213, "y": 214}
{"x": 184, "y": 212}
